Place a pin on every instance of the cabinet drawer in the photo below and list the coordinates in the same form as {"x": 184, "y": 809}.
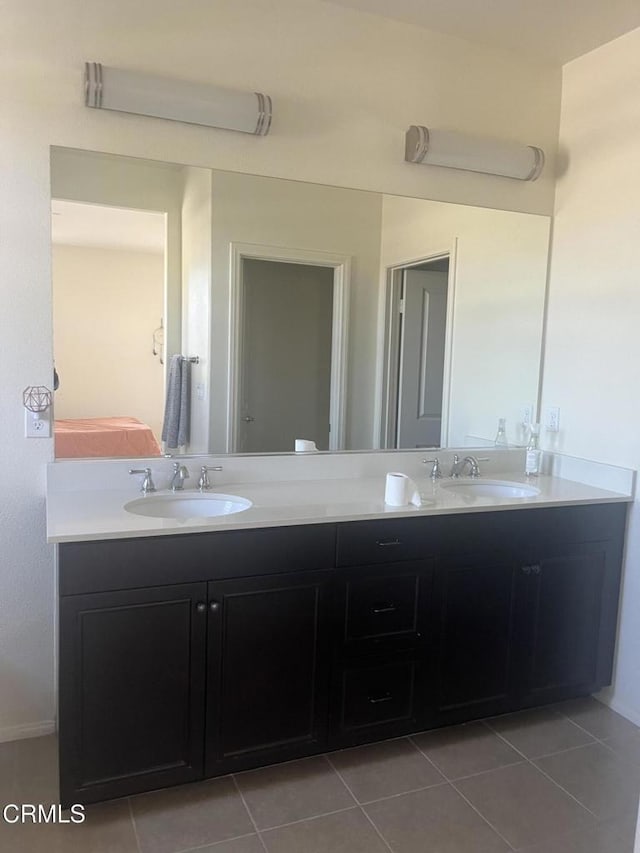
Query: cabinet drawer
{"x": 374, "y": 542}
{"x": 377, "y": 694}
{"x": 381, "y": 606}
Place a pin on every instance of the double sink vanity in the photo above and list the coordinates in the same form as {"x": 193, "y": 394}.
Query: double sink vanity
{"x": 308, "y": 616}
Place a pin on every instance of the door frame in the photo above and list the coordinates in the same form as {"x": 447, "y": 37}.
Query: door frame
{"x": 341, "y": 265}
{"x": 388, "y": 366}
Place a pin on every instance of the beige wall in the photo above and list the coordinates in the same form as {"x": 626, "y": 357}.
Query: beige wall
{"x": 131, "y": 183}
{"x": 500, "y": 279}
{"x": 592, "y": 358}
{"x": 295, "y": 215}
{"x": 345, "y": 87}
{"x": 196, "y": 298}
{"x": 106, "y": 305}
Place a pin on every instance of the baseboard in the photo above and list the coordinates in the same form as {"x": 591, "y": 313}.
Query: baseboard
{"x": 46, "y": 727}
{"x": 630, "y": 713}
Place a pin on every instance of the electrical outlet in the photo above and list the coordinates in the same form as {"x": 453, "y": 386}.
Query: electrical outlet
{"x": 200, "y": 391}
{"x": 37, "y": 424}
{"x": 552, "y": 422}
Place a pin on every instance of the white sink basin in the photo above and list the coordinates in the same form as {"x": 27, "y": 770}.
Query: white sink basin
{"x": 490, "y": 488}
{"x": 187, "y": 505}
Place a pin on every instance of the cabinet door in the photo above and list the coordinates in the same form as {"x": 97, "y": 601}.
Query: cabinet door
{"x": 475, "y": 667}
{"x": 131, "y": 690}
{"x": 567, "y": 603}
{"x": 267, "y": 669}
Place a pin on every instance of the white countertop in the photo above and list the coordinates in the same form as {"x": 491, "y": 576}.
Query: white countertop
{"x": 74, "y": 516}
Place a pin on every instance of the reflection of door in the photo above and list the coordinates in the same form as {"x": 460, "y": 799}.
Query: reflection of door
{"x": 285, "y": 355}
{"x": 422, "y": 349}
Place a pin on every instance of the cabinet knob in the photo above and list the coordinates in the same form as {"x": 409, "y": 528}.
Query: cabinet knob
{"x": 201, "y": 607}
{"x": 526, "y": 570}
{"x": 536, "y": 569}
{"x": 214, "y": 606}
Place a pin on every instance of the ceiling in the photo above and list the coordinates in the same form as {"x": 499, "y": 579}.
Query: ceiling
{"x": 78, "y": 224}
{"x": 547, "y": 31}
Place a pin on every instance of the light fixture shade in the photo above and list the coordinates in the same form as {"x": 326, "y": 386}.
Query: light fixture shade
{"x": 178, "y": 100}
{"x": 474, "y": 154}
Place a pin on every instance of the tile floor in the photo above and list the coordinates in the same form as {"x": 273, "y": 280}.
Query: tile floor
{"x": 564, "y": 779}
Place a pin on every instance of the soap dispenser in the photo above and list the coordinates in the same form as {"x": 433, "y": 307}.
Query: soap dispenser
{"x": 533, "y": 459}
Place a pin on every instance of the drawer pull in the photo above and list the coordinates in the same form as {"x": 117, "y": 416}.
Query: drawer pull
{"x": 385, "y": 697}
{"x": 383, "y": 608}
{"x": 384, "y": 542}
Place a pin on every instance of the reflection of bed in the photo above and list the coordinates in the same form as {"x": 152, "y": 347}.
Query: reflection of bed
{"x": 82, "y": 437}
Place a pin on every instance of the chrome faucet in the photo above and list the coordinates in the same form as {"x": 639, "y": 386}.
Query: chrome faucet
{"x": 147, "y": 484}
{"x": 180, "y": 474}
{"x": 458, "y": 466}
{"x": 436, "y": 470}
{"x": 203, "y": 481}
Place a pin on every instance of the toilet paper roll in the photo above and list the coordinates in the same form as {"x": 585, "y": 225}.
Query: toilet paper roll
{"x": 303, "y": 445}
{"x": 401, "y": 490}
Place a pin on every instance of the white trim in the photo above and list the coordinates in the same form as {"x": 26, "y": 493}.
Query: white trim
{"x": 7, "y": 733}
{"x": 341, "y": 265}
{"x": 381, "y": 405}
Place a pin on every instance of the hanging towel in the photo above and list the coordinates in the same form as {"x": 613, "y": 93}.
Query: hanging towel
{"x": 175, "y": 429}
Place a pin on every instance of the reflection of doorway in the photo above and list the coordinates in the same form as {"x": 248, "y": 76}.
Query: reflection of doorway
{"x": 288, "y": 343}
{"x": 418, "y": 307}
{"x": 285, "y": 362}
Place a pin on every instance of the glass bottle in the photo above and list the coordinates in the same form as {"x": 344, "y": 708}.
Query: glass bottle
{"x": 501, "y": 435}
{"x": 533, "y": 457}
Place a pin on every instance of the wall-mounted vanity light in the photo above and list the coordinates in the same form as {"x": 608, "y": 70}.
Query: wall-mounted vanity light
{"x": 177, "y": 100}
{"x": 475, "y": 154}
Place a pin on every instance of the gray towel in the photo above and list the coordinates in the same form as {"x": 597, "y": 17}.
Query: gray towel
{"x": 175, "y": 429}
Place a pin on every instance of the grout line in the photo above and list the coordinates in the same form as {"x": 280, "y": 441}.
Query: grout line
{"x": 309, "y": 817}
{"x": 377, "y": 831}
{"x": 469, "y": 803}
{"x": 209, "y": 844}
{"x": 484, "y": 772}
{"x": 135, "y": 828}
{"x": 544, "y": 773}
{"x": 479, "y": 813}
{"x": 244, "y": 803}
{"x": 362, "y": 811}
{"x": 402, "y": 793}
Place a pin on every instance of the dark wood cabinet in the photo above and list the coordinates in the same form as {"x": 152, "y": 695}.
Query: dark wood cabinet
{"x": 132, "y": 678}
{"x": 267, "y": 671}
{"x": 562, "y": 629}
{"x": 183, "y": 657}
{"x": 476, "y": 665}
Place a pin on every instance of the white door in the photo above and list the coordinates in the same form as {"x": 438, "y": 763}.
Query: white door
{"x": 422, "y": 349}
{"x": 285, "y": 355}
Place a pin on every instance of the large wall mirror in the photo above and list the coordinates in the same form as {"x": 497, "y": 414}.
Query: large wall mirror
{"x": 239, "y": 313}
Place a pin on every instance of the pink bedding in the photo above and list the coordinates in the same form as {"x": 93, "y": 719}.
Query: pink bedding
{"x": 82, "y": 437}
